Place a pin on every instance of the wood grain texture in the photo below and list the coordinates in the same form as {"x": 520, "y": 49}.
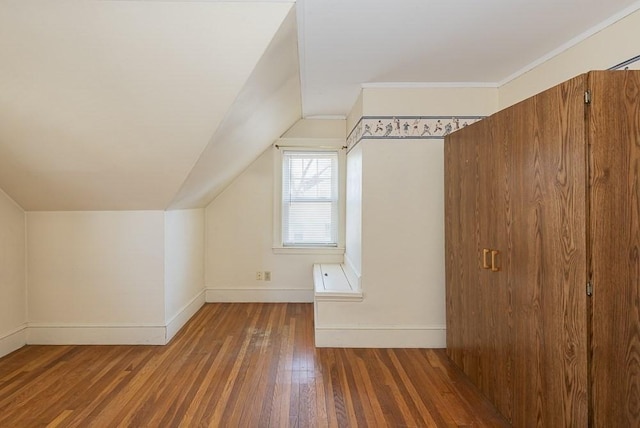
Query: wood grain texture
{"x": 238, "y": 365}
{"x": 482, "y": 294}
{"x": 499, "y": 302}
{"x": 614, "y": 137}
{"x": 479, "y": 325}
{"x": 520, "y": 334}
{"x": 548, "y": 193}
{"x": 461, "y": 250}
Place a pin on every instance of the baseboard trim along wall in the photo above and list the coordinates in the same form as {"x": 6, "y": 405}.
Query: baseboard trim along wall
{"x": 97, "y": 334}
{"x": 50, "y": 334}
{"x": 184, "y": 315}
{"x": 381, "y": 337}
{"x": 13, "y": 340}
{"x": 258, "y": 295}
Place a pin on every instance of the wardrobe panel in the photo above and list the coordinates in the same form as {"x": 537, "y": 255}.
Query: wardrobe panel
{"x": 548, "y": 193}
{"x": 461, "y": 187}
{"x": 479, "y": 326}
{"x": 614, "y": 137}
{"x": 517, "y": 323}
{"x": 502, "y": 340}
{"x": 489, "y": 318}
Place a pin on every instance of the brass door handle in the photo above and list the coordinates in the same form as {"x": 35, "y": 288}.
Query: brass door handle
{"x": 494, "y": 265}
{"x": 485, "y": 264}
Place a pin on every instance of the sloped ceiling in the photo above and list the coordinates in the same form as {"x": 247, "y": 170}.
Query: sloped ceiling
{"x": 347, "y": 43}
{"x": 159, "y": 104}
{"x": 267, "y": 106}
{"x": 107, "y": 105}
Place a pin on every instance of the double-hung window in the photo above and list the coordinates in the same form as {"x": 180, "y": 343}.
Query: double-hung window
{"x": 309, "y": 196}
{"x": 310, "y": 211}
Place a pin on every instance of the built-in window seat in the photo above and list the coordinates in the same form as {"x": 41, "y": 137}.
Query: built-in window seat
{"x": 334, "y": 282}
{"x": 336, "y": 290}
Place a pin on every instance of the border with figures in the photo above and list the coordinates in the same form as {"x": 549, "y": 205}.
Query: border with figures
{"x": 410, "y": 127}
{"x": 427, "y": 127}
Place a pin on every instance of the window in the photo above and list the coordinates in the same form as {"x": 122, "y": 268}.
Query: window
{"x": 309, "y": 205}
{"x": 309, "y": 196}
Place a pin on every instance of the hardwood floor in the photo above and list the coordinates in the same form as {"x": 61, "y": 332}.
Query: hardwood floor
{"x": 238, "y": 365}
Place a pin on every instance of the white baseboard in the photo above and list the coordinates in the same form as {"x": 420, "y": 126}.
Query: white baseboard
{"x": 260, "y": 295}
{"x": 13, "y": 340}
{"x": 184, "y": 315}
{"x": 381, "y": 337}
{"x": 49, "y": 334}
{"x": 75, "y": 334}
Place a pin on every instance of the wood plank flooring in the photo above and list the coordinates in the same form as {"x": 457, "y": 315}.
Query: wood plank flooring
{"x": 238, "y": 365}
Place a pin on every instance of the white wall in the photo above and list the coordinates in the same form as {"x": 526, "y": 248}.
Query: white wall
{"x": 317, "y": 128}
{"x": 239, "y": 234}
{"x": 13, "y": 314}
{"x": 395, "y": 225}
{"x": 402, "y": 251}
{"x": 96, "y": 277}
{"x": 604, "y": 49}
{"x": 403, "y": 231}
{"x": 355, "y": 114}
{"x": 184, "y": 267}
{"x": 239, "y": 241}
{"x": 429, "y": 101}
{"x": 353, "y": 250}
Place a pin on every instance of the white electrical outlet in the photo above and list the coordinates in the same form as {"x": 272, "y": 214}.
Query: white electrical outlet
{"x": 259, "y": 276}
{"x": 267, "y": 275}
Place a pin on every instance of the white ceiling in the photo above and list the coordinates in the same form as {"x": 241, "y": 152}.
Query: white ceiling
{"x": 155, "y": 104}
{"x": 108, "y": 105}
{"x": 265, "y": 108}
{"x": 345, "y": 43}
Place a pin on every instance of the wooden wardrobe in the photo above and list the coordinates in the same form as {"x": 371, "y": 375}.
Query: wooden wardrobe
{"x": 543, "y": 254}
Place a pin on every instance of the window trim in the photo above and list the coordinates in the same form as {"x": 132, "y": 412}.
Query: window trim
{"x": 314, "y": 145}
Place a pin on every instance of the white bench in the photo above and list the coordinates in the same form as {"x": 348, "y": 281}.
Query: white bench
{"x": 335, "y": 286}
{"x": 333, "y": 282}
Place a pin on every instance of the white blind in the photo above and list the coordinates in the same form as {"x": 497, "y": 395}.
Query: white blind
{"x": 310, "y": 198}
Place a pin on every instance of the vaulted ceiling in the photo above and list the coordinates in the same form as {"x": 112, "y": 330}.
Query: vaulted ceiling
{"x": 348, "y": 43}
{"x": 157, "y": 104}
{"x": 108, "y": 105}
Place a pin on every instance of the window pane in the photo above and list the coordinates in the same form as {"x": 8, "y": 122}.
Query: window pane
{"x": 309, "y": 223}
{"x": 310, "y": 198}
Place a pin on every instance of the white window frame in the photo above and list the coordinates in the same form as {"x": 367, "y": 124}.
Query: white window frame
{"x": 313, "y": 145}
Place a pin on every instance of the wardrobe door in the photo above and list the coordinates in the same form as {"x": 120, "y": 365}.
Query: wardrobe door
{"x": 614, "y": 137}
{"x": 478, "y": 326}
{"x": 501, "y": 339}
{"x": 487, "y": 257}
{"x": 461, "y": 264}
{"x": 547, "y": 182}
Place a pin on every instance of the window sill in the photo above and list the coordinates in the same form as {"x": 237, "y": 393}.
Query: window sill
{"x": 308, "y": 250}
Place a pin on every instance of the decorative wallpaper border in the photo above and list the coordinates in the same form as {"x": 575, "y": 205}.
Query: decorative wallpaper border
{"x": 409, "y": 127}
{"x": 423, "y": 127}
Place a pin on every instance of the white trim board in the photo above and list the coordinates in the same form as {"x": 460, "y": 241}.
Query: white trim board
{"x": 258, "y": 295}
{"x": 100, "y": 334}
{"x": 184, "y": 315}
{"x": 13, "y": 340}
{"x": 52, "y": 334}
{"x": 380, "y": 337}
